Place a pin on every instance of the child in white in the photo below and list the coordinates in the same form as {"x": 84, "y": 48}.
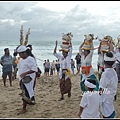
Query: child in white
{"x": 89, "y": 104}
{"x": 108, "y": 83}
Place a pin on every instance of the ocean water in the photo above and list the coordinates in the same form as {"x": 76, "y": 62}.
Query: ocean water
{"x": 43, "y": 50}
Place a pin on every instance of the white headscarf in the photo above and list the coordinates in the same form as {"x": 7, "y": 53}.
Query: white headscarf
{"x": 88, "y": 84}
{"x": 106, "y": 58}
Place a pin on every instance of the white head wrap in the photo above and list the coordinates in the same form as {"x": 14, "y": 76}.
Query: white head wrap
{"x": 106, "y": 58}
{"x": 21, "y": 49}
{"x": 88, "y": 84}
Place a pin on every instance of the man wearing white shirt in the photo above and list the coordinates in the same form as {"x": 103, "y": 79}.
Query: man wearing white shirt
{"x": 108, "y": 87}
{"x": 65, "y": 65}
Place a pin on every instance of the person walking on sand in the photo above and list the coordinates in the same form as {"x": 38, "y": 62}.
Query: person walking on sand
{"x": 90, "y": 103}
{"x": 53, "y": 66}
{"x": 51, "y": 69}
{"x": 72, "y": 66}
{"x": 26, "y": 67}
{"x": 101, "y": 53}
{"x": 65, "y": 73}
{"x": 47, "y": 66}
{"x": 86, "y": 66}
{"x": 108, "y": 86}
{"x": 57, "y": 65}
{"x": 117, "y": 63}
{"x": 31, "y": 54}
{"x": 7, "y": 66}
{"x": 44, "y": 67}
{"x": 78, "y": 62}
{"x": 14, "y": 64}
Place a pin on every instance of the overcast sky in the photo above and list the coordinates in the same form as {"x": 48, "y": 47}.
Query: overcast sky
{"x": 49, "y": 19}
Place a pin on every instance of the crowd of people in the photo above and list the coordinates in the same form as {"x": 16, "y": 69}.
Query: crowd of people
{"x": 51, "y": 68}
{"x": 21, "y": 65}
{"x": 108, "y": 68}
{"x": 96, "y": 93}
{"x": 10, "y": 66}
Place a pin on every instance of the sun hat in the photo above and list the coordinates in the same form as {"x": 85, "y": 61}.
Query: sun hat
{"x": 21, "y": 49}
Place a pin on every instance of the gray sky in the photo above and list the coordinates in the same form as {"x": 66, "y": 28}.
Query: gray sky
{"x": 48, "y": 19}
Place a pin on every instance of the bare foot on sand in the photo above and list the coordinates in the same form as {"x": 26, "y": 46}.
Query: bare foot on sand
{"x": 22, "y": 111}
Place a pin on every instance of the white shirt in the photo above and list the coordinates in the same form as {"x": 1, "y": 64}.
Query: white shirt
{"x": 101, "y": 60}
{"x": 90, "y": 102}
{"x": 109, "y": 82}
{"x": 64, "y": 62}
{"x": 117, "y": 55}
{"x": 53, "y": 64}
{"x": 25, "y": 65}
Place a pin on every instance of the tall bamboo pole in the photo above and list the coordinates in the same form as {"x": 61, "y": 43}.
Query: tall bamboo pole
{"x": 26, "y": 38}
{"x": 21, "y": 35}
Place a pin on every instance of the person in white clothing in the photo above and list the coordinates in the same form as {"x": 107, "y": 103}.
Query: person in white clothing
{"x": 26, "y": 67}
{"x": 108, "y": 87}
{"x": 53, "y": 66}
{"x": 86, "y": 65}
{"x": 89, "y": 104}
{"x": 100, "y": 64}
{"x": 101, "y": 53}
{"x": 117, "y": 63}
{"x": 65, "y": 70}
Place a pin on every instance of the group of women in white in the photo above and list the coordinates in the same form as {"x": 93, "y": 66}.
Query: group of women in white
{"x": 105, "y": 85}
{"x": 108, "y": 68}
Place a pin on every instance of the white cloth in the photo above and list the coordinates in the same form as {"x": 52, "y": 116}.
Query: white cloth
{"x": 101, "y": 61}
{"x": 25, "y": 65}
{"x": 88, "y": 84}
{"x": 64, "y": 62}
{"x": 117, "y": 55}
{"x": 106, "y": 58}
{"x": 53, "y": 65}
{"x": 87, "y": 62}
{"x": 108, "y": 82}
{"x": 90, "y": 102}
{"x": 21, "y": 49}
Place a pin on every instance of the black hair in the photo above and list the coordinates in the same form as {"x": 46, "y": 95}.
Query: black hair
{"x": 109, "y": 54}
{"x": 6, "y": 49}
{"x": 18, "y": 47}
{"x": 15, "y": 53}
{"x": 29, "y": 45}
{"x": 29, "y": 53}
{"x": 91, "y": 81}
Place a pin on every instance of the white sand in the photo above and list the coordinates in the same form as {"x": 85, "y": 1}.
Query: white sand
{"x": 47, "y": 93}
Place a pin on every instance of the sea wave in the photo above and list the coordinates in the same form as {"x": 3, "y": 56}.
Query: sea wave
{"x": 43, "y": 50}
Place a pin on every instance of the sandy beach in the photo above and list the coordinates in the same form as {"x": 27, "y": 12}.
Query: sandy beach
{"x": 47, "y": 94}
